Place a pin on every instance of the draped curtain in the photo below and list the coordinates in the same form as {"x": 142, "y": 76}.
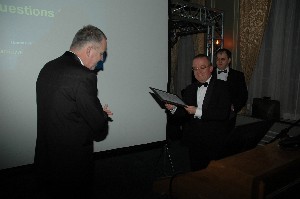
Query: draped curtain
{"x": 253, "y": 19}
{"x": 277, "y": 71}
{"x": 184, "y": 63}
{"x": 173, "y": 66}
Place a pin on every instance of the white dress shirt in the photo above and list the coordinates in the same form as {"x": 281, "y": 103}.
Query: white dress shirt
{"x": 200, "y": 98}
{"x": 222, "y": 76}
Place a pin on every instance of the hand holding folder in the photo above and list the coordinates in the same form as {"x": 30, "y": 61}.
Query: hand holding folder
{"x": 168, "y": 98}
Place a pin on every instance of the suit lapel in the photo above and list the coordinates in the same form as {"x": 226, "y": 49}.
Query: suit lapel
{"x": 195, "y": 89}
{"x": 229, "y": 77}
{"x": 209, "y": 92}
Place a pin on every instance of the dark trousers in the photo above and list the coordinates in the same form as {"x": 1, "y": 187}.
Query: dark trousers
{"x": 198, "y": 159}
{"x": 232, "y": 121}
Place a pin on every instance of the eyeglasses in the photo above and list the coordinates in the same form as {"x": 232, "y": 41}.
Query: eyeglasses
{"x": 199, "y": 68}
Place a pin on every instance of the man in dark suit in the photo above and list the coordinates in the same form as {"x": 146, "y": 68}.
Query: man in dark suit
{"x": 236, "y": 82}
{"x": 207, "y": 115}
{"x": 70, "y": 117}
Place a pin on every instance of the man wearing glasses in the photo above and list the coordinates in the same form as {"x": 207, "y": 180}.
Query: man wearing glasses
{"x": 206, "y": 118}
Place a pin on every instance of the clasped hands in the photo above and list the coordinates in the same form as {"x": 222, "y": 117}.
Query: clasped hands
{"x": 190, "y": 109}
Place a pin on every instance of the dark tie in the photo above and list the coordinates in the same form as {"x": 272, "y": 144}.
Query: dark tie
{"x": 222, "y": 71}
{"x": 202, "y": 84}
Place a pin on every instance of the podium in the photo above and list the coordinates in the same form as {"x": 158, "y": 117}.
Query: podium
{"x": 263, "y": 172}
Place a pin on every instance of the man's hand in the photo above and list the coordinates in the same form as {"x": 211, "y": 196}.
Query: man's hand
{"x": 107, "y": 110}
{"x": 169, "y": 106}
{"x": 191, "y": 109}
{"x": 232, "y": 107}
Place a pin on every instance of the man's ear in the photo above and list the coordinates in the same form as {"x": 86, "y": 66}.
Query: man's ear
{"x": 88, "y": 50}
{"x": 229, "y": 61}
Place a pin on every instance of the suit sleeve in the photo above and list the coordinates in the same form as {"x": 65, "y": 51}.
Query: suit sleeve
{"x": 90, "y": 107}
{"x": 189, "y": 97}
{"x": 240, "y": 98}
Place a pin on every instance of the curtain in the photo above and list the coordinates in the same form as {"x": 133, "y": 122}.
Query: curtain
{"x": 199, "y": 43}
{"x": 184, "y": 63}
{"x": 253, "y": 18}
{"x": 277, "y": 74}
{"x": 199, "y": 39}
{"x": 173, "y": 67}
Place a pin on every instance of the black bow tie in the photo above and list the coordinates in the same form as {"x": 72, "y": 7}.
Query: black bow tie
{"x": 222, "y": 71}
{"x": 202, "y": 84}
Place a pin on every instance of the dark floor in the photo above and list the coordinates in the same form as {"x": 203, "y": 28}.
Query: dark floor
{"x": 132, "y": 176}
{"x": 128, "y": 176}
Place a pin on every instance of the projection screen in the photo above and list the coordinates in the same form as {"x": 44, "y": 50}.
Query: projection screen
{"x": 34, "y": 32}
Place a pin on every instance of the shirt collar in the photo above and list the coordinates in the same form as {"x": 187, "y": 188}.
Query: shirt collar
{"x": 78, "y": 57}
{"x": 227, "y": 68}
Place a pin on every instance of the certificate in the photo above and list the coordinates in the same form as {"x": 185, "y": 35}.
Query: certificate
{"x": 168, "y": 97}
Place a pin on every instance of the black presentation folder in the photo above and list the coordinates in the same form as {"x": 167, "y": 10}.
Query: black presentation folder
{"x": 168, "y": 97}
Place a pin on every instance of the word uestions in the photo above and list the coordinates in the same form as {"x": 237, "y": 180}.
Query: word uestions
{"x": 26, "y": 10}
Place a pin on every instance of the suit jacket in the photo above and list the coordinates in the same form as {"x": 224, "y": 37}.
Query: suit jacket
{"x": 209, "y": 132}
{"x": 69, "y": 118}
{"x": 237, "y": 87}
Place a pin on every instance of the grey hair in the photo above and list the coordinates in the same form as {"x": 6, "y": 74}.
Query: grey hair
{"x": 87, "y": 34}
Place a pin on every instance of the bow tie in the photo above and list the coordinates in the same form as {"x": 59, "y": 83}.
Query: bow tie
{"x": 222, "y": 71}
{"x": 202, "y": 84}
